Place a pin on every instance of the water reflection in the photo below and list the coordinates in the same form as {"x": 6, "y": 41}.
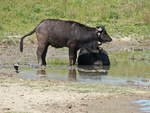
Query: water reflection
{"x": 72, "y": 74}
{"x": 101, "y": 74}
{"x": 85, "y": 73}
{"x": 81, "y": 73}
{"x": 92, "y": 73}
{"x": 41, "y": 72}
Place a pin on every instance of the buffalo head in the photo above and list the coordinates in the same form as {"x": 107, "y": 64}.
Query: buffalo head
{"x": 102, "y": 34}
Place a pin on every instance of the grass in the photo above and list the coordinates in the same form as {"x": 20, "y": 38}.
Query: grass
{"x": 57, "y": 61}
{"x": 121, "y": 17}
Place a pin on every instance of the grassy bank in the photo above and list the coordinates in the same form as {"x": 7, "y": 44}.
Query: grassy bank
{"x": 121, "y": 17}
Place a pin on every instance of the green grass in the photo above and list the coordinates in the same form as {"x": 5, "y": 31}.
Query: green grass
{"x": 57, "y": 61}
{"x": 121, "y": 17}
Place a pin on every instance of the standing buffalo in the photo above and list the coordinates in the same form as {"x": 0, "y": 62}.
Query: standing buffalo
{"x": 61, "y": 33}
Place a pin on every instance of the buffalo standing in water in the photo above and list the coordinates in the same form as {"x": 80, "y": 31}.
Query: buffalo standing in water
{"x": 61, "y": 33}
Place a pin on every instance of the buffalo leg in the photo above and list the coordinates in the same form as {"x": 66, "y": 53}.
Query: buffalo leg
{"x": 72, "y": 56}
{"x": 41, "y": 54}
{"x": 44, "y": 55}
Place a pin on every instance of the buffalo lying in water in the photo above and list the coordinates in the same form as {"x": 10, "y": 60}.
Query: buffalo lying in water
{"x": 93, "y": 55}
{"x": 61, "y": 33}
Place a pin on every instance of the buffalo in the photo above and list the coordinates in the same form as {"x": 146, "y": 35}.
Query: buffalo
{"x": 62, "y": 33}
{"x": 93, "y": 55}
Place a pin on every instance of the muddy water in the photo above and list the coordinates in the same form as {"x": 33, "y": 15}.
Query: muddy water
{"x": 129, "y": 72}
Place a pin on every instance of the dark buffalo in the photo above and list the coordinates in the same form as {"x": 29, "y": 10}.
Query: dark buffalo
{"x": 93, "y": 55}
{"x": 61, "y": 33}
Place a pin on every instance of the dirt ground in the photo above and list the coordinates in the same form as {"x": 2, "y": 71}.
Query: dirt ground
{"x": 21, "y": 96}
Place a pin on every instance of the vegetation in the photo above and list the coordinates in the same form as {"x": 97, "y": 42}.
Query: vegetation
{"x": 58, "y": 61}
{"x": 121, "y": 17}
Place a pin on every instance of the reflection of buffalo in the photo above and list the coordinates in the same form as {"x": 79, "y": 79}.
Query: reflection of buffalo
{"x": 93, "y": 55}
{"x": 41, "y": 72}
{"x": 87, "y": 73}
{"x": 72, "y": 74}
{"x": 92, "y": 72}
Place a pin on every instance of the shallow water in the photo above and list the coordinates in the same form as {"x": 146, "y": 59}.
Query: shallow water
{"x": 129, "y": 72}
{"x": 144, "y": 105}
{"x": 127, "y": 68}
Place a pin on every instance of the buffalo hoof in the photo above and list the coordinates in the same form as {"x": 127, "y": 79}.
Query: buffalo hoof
{"x": 71, "y": 67}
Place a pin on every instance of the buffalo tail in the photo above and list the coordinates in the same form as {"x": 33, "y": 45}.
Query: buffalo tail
{"x": 21, "y": 41}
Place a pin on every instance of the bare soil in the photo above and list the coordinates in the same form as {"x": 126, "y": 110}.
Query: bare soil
{"x": 20, "y": 96}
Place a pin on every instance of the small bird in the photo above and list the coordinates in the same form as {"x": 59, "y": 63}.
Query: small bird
{"x": 16, "y": 66}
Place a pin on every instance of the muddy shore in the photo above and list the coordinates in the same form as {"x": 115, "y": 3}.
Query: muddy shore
{"x": 20, "y": 96}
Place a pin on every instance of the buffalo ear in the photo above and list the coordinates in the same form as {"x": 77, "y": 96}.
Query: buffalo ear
{"x": 99, "y": 29}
